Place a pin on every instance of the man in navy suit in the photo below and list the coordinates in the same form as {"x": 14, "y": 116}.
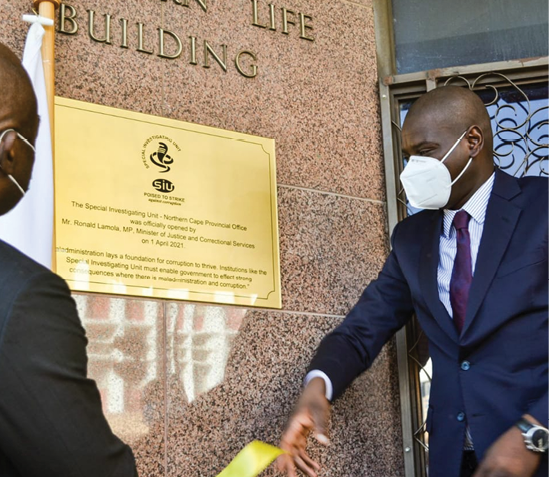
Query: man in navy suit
{"x": 51, "y": 421}
{"x": 473, "y": 268}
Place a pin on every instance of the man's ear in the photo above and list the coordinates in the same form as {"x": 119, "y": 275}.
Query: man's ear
{"x": 7, "y": 152}
{"x": 475, "y": 140}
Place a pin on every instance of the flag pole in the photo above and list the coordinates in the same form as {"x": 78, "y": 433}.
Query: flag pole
{"x": 46, "y": 8}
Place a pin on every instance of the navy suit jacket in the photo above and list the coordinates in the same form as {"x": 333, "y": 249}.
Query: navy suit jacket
{"x": 496, "y": 370}
{"x": 51, "y": 421}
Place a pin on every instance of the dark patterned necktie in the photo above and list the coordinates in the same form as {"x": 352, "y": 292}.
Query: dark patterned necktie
{"x": 462, "y": 273}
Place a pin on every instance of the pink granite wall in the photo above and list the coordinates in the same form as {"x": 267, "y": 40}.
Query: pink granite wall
{"x": 188, "y": 385}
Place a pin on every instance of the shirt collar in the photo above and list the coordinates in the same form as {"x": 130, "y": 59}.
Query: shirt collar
{"x": 476, "y": 206}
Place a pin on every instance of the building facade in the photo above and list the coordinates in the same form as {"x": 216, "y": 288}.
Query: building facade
{"x": 187, "y": 385}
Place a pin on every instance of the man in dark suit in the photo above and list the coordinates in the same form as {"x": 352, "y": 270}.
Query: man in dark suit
{"x": 51, "y": 421}
{"x": 473, "y": 269}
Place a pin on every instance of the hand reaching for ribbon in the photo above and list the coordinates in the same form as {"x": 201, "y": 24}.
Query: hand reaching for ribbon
{"x": 310, "y": 414}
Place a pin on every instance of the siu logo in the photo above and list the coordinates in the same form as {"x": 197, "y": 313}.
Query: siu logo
{"x": 161, "y": 158}
{"x": 163, "y": 185}
{"x": 160, "y": 154}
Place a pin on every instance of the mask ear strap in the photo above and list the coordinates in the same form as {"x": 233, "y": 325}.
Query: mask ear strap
{"x": 453, "y": 147}
{"x": 10, "y": 177}
{"x": 4, "y": 133}
{"x": 462, "y": 172}
{"x": 20, "y": 136}
{"x": 24, "y": 139}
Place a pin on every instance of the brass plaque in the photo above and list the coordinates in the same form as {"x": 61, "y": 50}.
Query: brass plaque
{"x": 154, "y": 207}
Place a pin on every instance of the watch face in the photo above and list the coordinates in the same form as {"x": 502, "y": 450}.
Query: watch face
{"x": 540, "y": 439}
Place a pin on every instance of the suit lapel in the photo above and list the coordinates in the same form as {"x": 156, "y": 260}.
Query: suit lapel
{"x": 501, "y": 219}
{"x": 428, "y": 267}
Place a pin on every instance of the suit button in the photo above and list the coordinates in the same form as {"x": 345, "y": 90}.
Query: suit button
{"x": 460, "y": 417}
{"x": 465, "y": 365}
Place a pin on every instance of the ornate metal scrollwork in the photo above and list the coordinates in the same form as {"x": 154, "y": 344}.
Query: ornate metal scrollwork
{"x": 520, "y": 124}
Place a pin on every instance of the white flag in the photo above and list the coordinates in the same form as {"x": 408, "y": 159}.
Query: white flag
{"x": 29, "y": 226}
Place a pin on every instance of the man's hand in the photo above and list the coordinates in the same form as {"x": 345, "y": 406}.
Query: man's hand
{"x": 311, "y": 413}
{"x": 509, "y": 457}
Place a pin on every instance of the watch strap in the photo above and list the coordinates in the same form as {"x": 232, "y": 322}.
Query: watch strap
{"x": 529, "y": 430}
{"x": 524, "y": 425}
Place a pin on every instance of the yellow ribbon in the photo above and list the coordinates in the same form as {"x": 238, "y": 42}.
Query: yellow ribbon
{"x": 252, "y": 460}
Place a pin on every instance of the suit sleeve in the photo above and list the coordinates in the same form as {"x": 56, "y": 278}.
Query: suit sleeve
{"x": 384, "y": 307}
{"x": 51, "y": 420}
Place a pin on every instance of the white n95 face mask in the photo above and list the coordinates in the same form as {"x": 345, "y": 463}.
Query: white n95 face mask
{"x": 427, "y": 181}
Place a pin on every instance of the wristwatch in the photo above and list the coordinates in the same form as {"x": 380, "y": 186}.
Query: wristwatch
{"x": 536, "y": 437}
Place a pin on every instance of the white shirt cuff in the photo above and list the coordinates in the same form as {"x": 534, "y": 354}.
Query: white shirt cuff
{"x": 315, "y": 373}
